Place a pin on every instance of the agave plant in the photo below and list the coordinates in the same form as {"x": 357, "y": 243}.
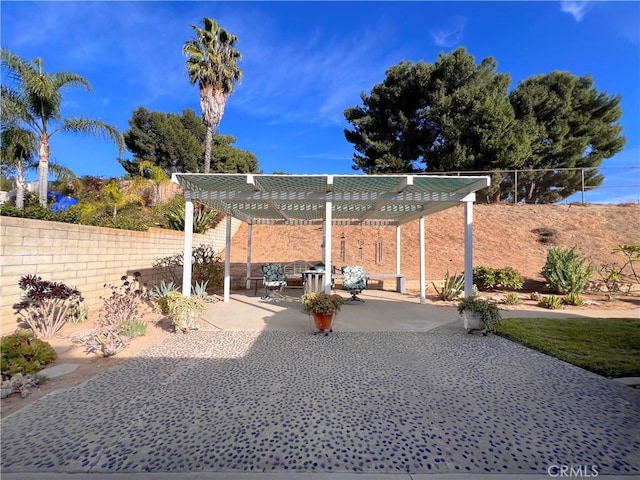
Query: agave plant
{"x": 512, "y": 298}
{"x": 161, "y": 291}
{"x": 199, "y": 290}
{"x": 452, "y": 287}
{"x": 202, "y": 218}
{"x": 550, "y": 301}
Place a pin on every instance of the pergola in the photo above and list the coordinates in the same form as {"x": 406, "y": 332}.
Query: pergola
{"x": 329, "y": 200}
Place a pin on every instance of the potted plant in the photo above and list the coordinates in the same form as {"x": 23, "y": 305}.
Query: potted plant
{"x": 478, "y": 314}
{"x": 323, "y": 306}
{"x": 184, "y": 311}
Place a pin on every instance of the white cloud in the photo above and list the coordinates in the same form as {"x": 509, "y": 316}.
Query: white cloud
{"x": 312, "y": 79}
{"x": 451, "y": 35}
{"x": 576, "y": 9}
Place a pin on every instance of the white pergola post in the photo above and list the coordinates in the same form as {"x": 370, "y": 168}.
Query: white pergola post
{"x": 398, "y": 249}
{"x": 328, "y": 219}
{"x": 249, "y": 235}
{"x": 227, "y": 260}
{"x": 423, "y": 282}
{"x": 188, "y": 246}
{"x": 468, "y": 245}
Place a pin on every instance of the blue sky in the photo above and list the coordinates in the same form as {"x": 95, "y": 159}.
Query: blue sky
{"x": 305, "y": 62}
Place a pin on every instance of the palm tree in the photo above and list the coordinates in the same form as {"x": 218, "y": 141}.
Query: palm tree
{"x": 35, "y": 101}
{"x": 118, "y": 198}
{"x": 17, "y": 151}
{"x": 212, "y": 64}
{"x": 157, "y": 175}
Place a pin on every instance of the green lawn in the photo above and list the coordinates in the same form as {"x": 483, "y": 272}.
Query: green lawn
{"x": 606, "y": 346}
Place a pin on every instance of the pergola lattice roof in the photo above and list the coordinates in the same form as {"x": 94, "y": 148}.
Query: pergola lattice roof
{"x": 302, "y": 199}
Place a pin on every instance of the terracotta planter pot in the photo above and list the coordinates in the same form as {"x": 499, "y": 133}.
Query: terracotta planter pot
{"x": 323, "y": 320}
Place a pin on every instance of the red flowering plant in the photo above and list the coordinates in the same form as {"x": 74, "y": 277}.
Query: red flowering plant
{"x": 45, "y": 305}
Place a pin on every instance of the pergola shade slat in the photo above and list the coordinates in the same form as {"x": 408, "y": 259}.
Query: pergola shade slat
{"x": 289, "y": 199}
{"x": 331, "y": 200}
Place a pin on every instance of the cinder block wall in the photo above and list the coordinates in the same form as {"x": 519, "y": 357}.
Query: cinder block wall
{"x": 83, "y": 256}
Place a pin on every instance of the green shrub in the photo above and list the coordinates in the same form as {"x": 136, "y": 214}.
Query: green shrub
{"x": 23, "y": 353}
{"x": 133, "y": 328}
{"x": 512, "y": 299}
{"x": 184, "y": 311}
{"x": 452, "y": 287}
{"x": 159, "y": 295}
{"x": 550, "y": 301}
{"x": 487, "y": 278}
{"x": 573, "y": 299}
{"x": 565, "y": 271}
{"x": 36, "y": 212}
{"x": 484, "y": 277}
{"x": 509, "y": 278}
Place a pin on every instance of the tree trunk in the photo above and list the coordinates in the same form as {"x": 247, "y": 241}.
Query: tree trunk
{"x": 207, "y": 150}
{"x": 212, "y": 103}
{"x": 43, "y": 169}
{"x": 20, "y": 186}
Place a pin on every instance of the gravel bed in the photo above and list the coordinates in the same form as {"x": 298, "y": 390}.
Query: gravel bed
{"x": 417, "y": 402}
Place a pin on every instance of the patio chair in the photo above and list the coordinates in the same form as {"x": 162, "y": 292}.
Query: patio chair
{"x": 274, "y": 280}
{"x": 354, "y": 281}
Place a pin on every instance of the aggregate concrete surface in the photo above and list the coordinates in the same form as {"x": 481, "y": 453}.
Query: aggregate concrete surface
{"x": 281, "y": 402}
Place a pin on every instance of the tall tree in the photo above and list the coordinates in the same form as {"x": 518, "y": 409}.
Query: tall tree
{"x": 18, "y": 149}
{"x": 230, "y": 159}
{"x": 450, "y": 115}
{"x": 212, "y": 63}
{"x": 17, "y": 152}
{"x": 455, "y": 115}
{"x": 35, "y": 101}
{"x": 572, "y": 126}
{"x": 172, "y": 142}
{"x": 175, "y": 144}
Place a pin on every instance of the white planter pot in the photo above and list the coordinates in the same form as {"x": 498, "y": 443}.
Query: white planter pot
{"x": 472, "y": 321}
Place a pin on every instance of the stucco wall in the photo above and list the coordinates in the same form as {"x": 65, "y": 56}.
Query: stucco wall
{"x": 83, "y": 256}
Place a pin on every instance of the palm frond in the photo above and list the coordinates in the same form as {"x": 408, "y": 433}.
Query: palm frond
{"x": 94, "y": 128}
{"x": 212, "y": 58}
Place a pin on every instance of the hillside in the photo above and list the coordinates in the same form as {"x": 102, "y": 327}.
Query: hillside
{"x": 503, "y": 236}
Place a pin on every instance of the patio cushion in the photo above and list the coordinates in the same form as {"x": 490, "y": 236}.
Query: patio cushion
{"x": 273, "y": 275}
{"x": 354, "y": 278}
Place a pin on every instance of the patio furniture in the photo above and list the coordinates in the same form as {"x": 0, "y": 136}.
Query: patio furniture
{"x": 354, "y": 281}
{"x": 313, "y": 281}
{"x": 274, "y": 280}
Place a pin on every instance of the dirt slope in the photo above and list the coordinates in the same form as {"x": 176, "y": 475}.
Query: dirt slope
{"x": 503, "y": 236}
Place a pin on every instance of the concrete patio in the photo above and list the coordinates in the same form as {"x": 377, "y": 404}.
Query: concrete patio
{"x": 382, "y": 311}
{"x": 399, "y": 390}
